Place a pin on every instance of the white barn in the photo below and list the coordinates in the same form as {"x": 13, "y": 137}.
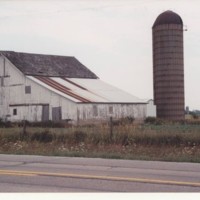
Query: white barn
{"x": 37, "y": 87}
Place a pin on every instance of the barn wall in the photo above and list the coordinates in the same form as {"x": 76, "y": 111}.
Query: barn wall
{"x": 104, "y": 111}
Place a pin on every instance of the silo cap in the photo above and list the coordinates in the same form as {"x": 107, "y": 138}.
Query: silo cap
{"x": 168, "y": 17}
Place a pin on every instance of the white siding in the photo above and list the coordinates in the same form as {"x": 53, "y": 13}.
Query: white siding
{"x": 30, "y": 113}
{"x": 92, "y": 112}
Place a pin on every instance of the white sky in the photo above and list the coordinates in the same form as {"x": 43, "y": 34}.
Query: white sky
{"x": 113, "y": 38}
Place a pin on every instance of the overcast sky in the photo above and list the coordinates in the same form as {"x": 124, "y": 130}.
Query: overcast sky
{"x": 113, "y": 38}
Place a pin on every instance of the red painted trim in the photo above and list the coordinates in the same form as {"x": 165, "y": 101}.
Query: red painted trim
{"x": 65, "y": 79}
{"x": 61, "y": 88}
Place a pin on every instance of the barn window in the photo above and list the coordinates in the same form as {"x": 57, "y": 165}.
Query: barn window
{"x": 110, "y": 110}
{"x": 27, "y": 89}
{"x": 14, "y": 111}
{"x": 95, "y": 111}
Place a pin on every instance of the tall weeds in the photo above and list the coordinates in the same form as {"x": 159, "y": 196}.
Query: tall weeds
{"x": 174, "y": 135}
{"x": 169, "y": 142}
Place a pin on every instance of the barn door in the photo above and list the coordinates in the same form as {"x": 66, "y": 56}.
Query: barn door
{"x": 56, "y": 113}
{"x": 45, "y": 112}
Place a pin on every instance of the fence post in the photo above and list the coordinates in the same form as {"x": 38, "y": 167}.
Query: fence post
{"x": 111, "y": 128}
{"x": 24, "y": 128}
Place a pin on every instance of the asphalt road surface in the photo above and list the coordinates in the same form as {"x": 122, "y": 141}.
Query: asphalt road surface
{"x": 24, "y": 173}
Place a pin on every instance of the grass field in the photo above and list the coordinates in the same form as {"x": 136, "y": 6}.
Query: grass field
{"x": 167, "y": 142}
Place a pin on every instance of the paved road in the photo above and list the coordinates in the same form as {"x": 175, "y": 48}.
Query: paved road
{"x": 19, "y": 173}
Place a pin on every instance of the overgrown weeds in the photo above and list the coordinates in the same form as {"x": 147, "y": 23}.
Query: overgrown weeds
{"x": 122, "y": 135}
{"x": 175, "y": 142}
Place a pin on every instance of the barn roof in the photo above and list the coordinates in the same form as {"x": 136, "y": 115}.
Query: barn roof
{"x": 86, "y": 90}
{"x": 48, "y": 65}
{"x": 69, "y": 78}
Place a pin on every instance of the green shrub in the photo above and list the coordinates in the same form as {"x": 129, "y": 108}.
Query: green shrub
{"x": 155, "y": 121}
{"x": 9, "y": 137}
{"x": 124, "y": 121}
{"x": 61, "y": 138}
{"x": 150, "y": 120}
{"x": 79, "y": 136}
{"x": 43, "y": 137}
{"x": 47, "y": 124}
{"x": 5, "y": 124}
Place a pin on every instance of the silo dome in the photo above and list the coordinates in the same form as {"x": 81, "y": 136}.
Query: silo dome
{"x": 168, "y": 17}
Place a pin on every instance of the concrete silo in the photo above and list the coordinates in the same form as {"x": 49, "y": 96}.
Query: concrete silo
{"x": 168, "y": 70}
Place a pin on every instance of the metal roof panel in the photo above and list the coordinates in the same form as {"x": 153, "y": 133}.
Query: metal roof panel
{"x": 86, "y": 90}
